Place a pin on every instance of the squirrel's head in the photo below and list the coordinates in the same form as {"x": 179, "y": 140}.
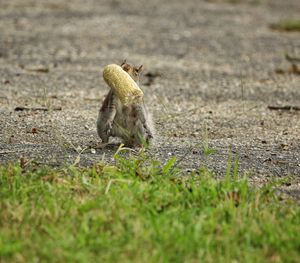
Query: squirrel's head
{"x": 134, "y": 72}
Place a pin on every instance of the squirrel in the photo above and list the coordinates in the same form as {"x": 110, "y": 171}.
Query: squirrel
{"x": 132, "y": 123}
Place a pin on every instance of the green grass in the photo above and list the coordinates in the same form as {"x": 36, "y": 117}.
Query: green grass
{"x": 287, "y": 25}
{"x": 139, "y": 210}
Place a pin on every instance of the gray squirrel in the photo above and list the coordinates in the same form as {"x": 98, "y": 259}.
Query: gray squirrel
{"x": 132, "y": 123}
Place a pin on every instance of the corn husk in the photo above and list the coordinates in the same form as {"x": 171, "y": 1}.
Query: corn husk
{"x": 124, "y": 87}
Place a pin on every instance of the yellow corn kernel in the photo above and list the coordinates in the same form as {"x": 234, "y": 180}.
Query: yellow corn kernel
{"x": 124, "y": 87}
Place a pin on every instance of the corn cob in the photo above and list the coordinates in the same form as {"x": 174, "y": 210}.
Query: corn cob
{"x": 124, "y": 87}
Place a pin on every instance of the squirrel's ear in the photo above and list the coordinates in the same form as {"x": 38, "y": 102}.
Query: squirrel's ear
{"x": 126, "y": 67}
{"x": 124, "y": 62}
{"x": 140, "y": 68}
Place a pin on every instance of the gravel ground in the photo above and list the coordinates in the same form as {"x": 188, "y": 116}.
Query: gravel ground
{"x": 211, "y": 71}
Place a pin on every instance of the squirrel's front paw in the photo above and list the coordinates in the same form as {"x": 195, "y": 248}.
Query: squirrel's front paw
{"x": 149, "y": 135}
{"x": 108, "y": 127}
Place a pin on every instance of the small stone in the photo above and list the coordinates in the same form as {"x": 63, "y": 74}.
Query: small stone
{"x": 93, "y": 151}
